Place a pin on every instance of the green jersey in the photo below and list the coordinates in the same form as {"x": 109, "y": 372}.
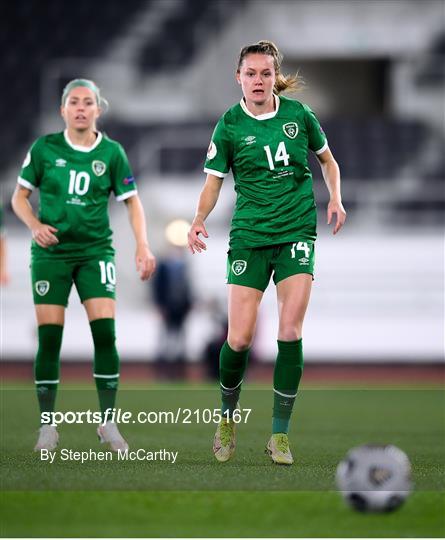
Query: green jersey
{"x": 268, "y": 157}
{"x": 75, "y": 185}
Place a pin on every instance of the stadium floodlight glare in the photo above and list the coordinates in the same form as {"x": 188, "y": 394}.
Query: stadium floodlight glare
{"x": 176, "y": 232}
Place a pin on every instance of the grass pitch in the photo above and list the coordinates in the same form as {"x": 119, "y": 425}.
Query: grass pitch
{"x": 196, "y": 496}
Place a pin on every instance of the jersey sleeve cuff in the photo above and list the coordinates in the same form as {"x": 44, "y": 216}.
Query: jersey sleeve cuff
{"x": 25, "y": 183}
{"x": 127, "y": 195}
{"x": 322, "y": 149}
{"x": 215, "y": 173}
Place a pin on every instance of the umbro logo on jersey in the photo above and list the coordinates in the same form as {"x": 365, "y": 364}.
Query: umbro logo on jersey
{"x": 250, "y": 139}
{"x": 99, "y": 167}
{"x": 60, "y": 162}
{"x": 303, "y": 260}
{"x": 291, "y": 129}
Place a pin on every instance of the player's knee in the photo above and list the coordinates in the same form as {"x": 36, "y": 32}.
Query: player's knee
{"x": 288, "y": 332}
{"x": 239, "y": 343}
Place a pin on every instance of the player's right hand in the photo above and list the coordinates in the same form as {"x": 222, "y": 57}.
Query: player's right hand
{"x": 44, "y": 235}
{"x": 194, "y": 242}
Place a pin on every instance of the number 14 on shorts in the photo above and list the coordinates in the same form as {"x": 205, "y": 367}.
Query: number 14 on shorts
{"x": 300, "y": 246}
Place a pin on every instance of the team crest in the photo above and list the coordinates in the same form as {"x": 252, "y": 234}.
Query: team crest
{"x": 42, "y": 287}
{"x": 99, "y": 167}
{"x": 291, "y": 129}
{"x": 239, "y": 267}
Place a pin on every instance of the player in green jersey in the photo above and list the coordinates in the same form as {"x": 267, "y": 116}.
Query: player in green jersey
{"x": 264, "y": 140}
{"x": 76, "y": 171}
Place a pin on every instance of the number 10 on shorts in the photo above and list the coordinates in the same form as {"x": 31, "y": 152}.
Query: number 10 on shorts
{"x": 300, "y": 246}
{"x": 107, "y": 272}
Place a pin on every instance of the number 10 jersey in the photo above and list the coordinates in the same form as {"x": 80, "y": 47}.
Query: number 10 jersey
{"x": 75, "y": 185}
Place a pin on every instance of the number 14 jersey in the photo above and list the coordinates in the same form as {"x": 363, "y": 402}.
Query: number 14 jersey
{"x": 268, "y": 157}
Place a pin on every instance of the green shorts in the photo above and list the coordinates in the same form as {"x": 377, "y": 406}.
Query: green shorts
{"x": 252, "y": 267}
{"x": 52, "y": 279}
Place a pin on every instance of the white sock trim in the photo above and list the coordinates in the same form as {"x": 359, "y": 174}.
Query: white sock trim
{"x": 47, "y": 382}
{"x": 105, "y": 376}
{"x": 285, "y": 395}
{"x": 234, "y": 388}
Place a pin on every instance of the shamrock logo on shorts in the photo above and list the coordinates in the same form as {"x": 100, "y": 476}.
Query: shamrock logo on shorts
{"x": 42, "y": 287}
{"x": 239, "y": 267}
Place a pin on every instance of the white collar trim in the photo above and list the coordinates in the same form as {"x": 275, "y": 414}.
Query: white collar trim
{"x": 265, "y": 116}
{"x": 82, "y": 148}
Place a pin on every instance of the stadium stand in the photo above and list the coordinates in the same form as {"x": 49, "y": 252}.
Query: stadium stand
{"x": 31, "y": 34}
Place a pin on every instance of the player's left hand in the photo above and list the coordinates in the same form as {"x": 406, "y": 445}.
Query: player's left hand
{"x": 145, "y": 262}
{"x": 336, "y": 207}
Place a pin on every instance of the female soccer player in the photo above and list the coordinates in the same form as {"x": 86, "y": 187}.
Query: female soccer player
{"x": 75, "y": 171}
{"x": 264, "y": 139}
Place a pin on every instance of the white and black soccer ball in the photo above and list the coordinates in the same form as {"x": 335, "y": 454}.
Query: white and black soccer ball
{"x": 374, "y": 478}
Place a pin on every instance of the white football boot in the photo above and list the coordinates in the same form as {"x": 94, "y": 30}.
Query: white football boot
{"x": 224, "y": 441}
{"x": 48, "y": 438}
{"x": 278, "y": 449}
{"x": 109, "y": 433}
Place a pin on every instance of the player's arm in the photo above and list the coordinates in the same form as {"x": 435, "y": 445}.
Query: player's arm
{"x": 145, "y": 260}
{"x": 43, "y": 234}
{"x": 207, "y": 201}
{"x": 331, "y": 175}
{"x": 4, "y": 276}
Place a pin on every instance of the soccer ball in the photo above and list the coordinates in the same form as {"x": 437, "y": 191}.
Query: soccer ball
{"x": 374, "y": 478}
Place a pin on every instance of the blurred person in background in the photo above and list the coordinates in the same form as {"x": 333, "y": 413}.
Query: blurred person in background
{"x": 75, "y": 171}
{"x": 173, "y": 297}
{"x": 265, "y": 140}
{"x": 218, "y": 317}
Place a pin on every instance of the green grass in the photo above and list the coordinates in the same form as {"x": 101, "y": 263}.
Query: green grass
{"x": 212, "y": 514}
{"x": 197, "y": 496}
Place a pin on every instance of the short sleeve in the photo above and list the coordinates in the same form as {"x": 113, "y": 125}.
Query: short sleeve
{"x": 29, "y": 176}
{"x": 219, "y": 153}
{"x": 122, "y": 179}
{"x": 316, "y": 136}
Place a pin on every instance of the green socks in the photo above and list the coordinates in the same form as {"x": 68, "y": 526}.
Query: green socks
{"x": 106, "y": 363}
{"x": 232, "y": 365}
{"x": 287, "y": 375}
{"x": 46, "y": 366}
